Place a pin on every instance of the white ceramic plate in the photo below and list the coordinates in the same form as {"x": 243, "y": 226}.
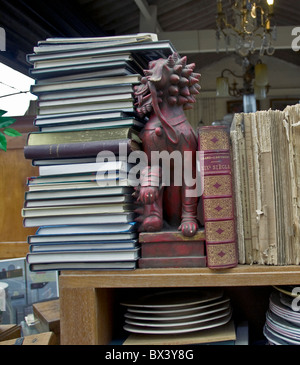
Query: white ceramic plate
{"x": 277, "y": 307}
{"x": 179, "y": 315}
{"x": 176, "y": 330}
{"x": 178, "y": 323}
{"x": 175, "y": 298}
{"x": 282, "y": 327}
{"x": 273, "y": 337}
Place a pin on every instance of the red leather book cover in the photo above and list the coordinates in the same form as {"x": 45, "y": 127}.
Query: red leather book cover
{"x": 217, "y": 201}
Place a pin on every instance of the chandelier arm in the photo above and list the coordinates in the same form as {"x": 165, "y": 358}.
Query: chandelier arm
{"x": 232, "y": 73}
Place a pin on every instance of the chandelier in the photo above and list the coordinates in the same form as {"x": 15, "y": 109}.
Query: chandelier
{"x": 255, "y": 84}
{"x": 245, "y": 21}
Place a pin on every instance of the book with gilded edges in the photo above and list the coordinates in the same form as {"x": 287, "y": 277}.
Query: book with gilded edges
{"x": 218, "y": 199}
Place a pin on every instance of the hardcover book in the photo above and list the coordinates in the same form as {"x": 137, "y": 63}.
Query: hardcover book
{"x": 79, "y": 149}
{"x": 217, "y": 199}
{"x": 83, "y": 135}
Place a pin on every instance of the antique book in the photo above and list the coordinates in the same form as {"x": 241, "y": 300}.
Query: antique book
{"x": 265, "y": 202}
{"x": 284, "y": 133}
{"x": 267, "y": 190}
{"x": 83, "y": 135}
{"x": 78, "y": 149}
{"x": 237, "y": 156}
{"x": 292, "y": 125}
{"x": 241, "y": 189}
{"x": 251, "y": 152}
{"x": 217, "y": 199}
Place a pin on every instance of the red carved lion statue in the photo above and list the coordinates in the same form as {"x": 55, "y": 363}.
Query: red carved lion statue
{"x": 165, "y": 91}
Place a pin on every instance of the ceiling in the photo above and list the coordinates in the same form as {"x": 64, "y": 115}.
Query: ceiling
{"x": 28, "y": 21}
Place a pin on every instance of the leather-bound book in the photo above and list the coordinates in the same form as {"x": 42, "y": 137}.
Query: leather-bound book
{"x": 217, "y": 201}
{"x": 79, "y": 149}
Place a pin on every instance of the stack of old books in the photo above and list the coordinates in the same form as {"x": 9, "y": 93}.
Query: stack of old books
{"x": 266, "y": 161}
{"x": 82, "y": 200}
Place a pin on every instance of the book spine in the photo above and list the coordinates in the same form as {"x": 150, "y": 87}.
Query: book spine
{"x": 80, "y": 149}
{"x": 217, "y": 198}
{"x": 267, "y": 235}
{"x": 292, "y": 125}
{"x": 234, "y": 136}
{"x": 241, "y": 183}
{"x": 251, "y": 184}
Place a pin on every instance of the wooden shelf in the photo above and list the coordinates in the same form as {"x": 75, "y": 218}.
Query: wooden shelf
{"x": 87, "y": 297}
{"x": 242, "y": 275}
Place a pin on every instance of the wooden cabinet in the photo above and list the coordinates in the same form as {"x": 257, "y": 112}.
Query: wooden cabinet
{"x": 14, "y": 169}
{"x": 86, "y": 298}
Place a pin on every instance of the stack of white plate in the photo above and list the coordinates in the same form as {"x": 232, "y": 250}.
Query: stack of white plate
{"x": 282, "y": 325}
{"x": 177, "y": 311}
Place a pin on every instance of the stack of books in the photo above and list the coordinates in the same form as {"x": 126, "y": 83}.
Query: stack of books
{"x": 82, "y": 201}
{"x": 266, "y": 163}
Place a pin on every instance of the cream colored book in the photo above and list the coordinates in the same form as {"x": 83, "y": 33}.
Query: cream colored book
{"x": 266, "y": 217}
{"x": 238, "y": 186}
{"x": 251, "y": 183}
{"x": 291, "y": 125}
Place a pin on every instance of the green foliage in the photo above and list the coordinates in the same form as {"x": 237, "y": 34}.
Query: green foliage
{"x": 5, "y": 122}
